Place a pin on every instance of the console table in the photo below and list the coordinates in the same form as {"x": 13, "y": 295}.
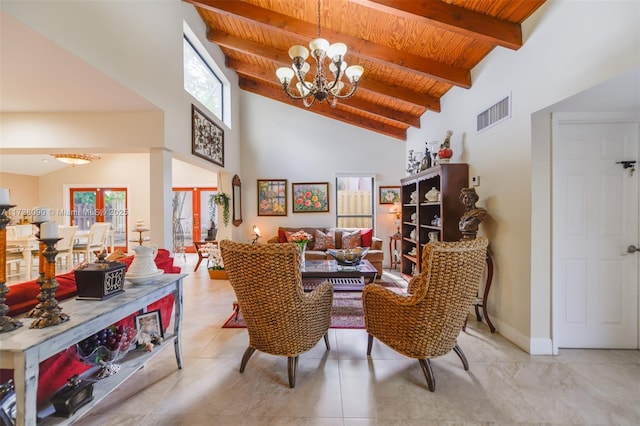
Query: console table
{"x": 23, "y": 349}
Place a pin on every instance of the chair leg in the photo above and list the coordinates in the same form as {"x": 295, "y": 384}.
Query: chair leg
{"x": 292, "y": 365}
{"x": 326, "y": 341}
{"x": 428, "y": 374}
{"x": 462, "y": 357}
{"x": 369, "y": 344}
{"x": 245, "y": 358}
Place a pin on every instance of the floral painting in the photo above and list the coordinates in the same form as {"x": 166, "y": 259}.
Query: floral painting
{"x": 389, "y": 194}
{"x": 310, "y": 197}
{"x": 272, "y": 197}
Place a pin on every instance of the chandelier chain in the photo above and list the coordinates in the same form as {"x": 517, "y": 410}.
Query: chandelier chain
{"x": 318, "y": 18}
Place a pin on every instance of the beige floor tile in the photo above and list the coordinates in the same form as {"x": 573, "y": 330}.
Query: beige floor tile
{"x": 344, "y": 387}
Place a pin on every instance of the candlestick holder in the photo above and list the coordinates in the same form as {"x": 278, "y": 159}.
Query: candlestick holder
{"x": 6, "y": 322}
{"x": 37, "y": 310}
{"x": 51, "y": 313}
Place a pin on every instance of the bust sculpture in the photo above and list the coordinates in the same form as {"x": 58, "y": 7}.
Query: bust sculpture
{"x": 472, "y": 216}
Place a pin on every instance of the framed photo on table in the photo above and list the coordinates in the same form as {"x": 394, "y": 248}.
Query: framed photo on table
{"x": 149, "y": 327}
{"x": 272, "y": 197}
{"x": 389, "y": 194}
{"x": 310, "y": 197}
{"x": 207, "y": 139}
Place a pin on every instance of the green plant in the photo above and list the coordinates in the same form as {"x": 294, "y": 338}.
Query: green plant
{"x": 222, "y": 199}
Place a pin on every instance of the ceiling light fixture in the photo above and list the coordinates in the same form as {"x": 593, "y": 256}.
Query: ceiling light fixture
{"x": 74, "y": 159}
{"x": 320, "y": 88}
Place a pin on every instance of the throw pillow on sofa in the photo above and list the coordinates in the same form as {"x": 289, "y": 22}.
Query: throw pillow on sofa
{"x": 367, "y": 237}
{"x": 351, "y": 240}
{"x": 325, "y": 241}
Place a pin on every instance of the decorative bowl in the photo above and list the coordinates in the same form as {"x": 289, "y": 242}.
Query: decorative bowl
{"x": 349, "y": 257}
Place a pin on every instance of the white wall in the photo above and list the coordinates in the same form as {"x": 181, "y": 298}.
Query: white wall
{"x": 284, "y": 142}
{"x": 569, "y": 46}
{"x": 138, "y": 44}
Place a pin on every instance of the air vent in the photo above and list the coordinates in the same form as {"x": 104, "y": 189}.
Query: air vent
{"x": 494, "y": 114}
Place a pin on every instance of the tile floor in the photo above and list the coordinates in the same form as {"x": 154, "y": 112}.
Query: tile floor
{"x": 342, "y": 387}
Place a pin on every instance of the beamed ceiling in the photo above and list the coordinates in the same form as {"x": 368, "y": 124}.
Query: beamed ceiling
{"x": 412, "y": 52}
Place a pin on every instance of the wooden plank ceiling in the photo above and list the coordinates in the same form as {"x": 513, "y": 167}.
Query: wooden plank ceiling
{"x": 412, "y": 52}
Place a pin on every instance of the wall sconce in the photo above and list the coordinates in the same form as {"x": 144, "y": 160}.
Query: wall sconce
{"x": 256, "y": 234}
{"x": 395, "y": 210}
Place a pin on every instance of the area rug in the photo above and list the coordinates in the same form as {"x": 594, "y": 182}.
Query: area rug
{"x": 346, "y": 311}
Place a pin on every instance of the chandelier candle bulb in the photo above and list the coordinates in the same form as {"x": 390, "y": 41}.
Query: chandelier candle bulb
{"x": 4, "y": 197}
{"x": 48, "y": 230}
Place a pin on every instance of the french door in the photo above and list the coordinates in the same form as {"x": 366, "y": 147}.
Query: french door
{"x": 194, "y": 213}
{"x": 91, "y": 205}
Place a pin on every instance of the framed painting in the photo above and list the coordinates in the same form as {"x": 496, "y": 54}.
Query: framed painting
{"x": 272, "y": 197}
{"x": 207, "y": 138}
{"x": 310, "y": 197}
{"x": 389, "y": 194}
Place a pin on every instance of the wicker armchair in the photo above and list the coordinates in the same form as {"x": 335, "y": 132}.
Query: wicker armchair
{"x": 425, "y": 322}
{"x": 281, "y": 318}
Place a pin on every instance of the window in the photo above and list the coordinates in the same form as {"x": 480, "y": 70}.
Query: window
{"x": 354, "y": 201}
{"x": 201, "y": 81}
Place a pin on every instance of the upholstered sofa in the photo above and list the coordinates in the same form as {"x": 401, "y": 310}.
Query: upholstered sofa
{"x": 55, "y": 371}
{"x": 338, "y": 238}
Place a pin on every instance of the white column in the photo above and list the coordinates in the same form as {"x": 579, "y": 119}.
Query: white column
{"x": 160, "y": 194}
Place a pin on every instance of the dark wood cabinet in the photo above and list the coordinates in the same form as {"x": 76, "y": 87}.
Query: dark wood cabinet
{"x": 421, "y": 217}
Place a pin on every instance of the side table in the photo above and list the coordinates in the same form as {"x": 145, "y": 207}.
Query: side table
{"x": 393, "y": 247}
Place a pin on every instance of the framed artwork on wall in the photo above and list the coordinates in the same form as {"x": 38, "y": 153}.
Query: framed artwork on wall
{"x": 207, "y": 138}
{"x": 389, "y": 194}
{"x": 272, "y": 197}
{"x": 310, "y": 197}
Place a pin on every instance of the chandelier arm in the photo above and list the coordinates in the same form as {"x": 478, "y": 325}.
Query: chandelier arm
{"x": 308, "y": 100}
{"x": 302, "y": 81}
{"x": 332, "y": 101}
{"x": 338, "y": 76}
{"x": 352, "y": 91}
{"x": 285, "y": 86}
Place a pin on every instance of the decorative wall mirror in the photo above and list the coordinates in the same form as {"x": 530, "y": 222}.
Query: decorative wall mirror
{"x": 237, "y": 201}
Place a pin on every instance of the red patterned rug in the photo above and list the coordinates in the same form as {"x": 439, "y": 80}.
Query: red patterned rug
{"x": 345, "y": 313}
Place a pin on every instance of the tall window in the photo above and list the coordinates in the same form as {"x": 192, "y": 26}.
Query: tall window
{"x": 354, "y": 201}
{"x": 201, "y": 81}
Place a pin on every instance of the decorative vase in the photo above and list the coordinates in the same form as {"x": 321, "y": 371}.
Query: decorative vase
{"x": 303, "y": 248}
{"x": 218, "y": 274}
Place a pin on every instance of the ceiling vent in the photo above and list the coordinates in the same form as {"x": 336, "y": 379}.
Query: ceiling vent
{"x": 495, "y": 114}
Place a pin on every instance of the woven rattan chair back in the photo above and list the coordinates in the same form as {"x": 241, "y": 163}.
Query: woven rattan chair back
{"x": 281, "y": 318}
{"x": 426, "y": 322}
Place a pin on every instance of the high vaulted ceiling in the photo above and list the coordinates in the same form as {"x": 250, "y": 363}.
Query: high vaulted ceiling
{"x": 412, "y": 52}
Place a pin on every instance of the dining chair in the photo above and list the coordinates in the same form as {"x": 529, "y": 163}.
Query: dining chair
{"x": 65, "y": 246}
{"x": 96, "y": 240}
{"x": 425, "y": 322}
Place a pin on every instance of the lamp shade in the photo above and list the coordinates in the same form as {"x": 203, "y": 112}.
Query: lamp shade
{"x": 284, "y": 74}
{"x": 337, "y": 51}
{"x": 319, "y": 44}
{"x": 354, "y": 72}
{"x": 298, "y": 51}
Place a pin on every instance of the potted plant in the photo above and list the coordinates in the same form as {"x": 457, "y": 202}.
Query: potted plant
{"x": 221, "y": 199}
{"x": 215, "y": 265}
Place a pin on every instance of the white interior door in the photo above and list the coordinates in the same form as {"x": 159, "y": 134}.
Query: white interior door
{"x": 595, "y": 218}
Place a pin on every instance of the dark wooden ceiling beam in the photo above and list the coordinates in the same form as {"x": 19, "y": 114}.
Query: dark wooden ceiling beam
{"x": 254, "y": 72}
{"x": 364, "y": 49}
{"x": 281, "y": 58}
{"x": 456, "y": 19}
{"x": 334, "y": 113}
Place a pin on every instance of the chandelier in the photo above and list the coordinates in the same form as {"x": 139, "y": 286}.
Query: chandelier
{"x": 74, "y": 159}
{"x": 320, "y": 88}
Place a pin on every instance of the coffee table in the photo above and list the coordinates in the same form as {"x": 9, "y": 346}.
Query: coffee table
{"x": 342, "y": 278}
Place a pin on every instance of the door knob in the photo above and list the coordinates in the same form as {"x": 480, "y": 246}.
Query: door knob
{"x": 632, "y": 249}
